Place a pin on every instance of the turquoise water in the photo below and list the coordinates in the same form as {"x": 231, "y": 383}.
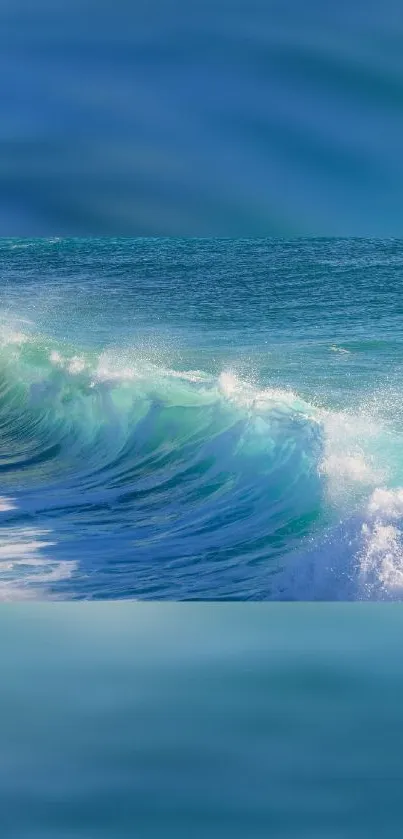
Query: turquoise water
{"x": 178, "y": 720}
{"x": 201, "y": 418}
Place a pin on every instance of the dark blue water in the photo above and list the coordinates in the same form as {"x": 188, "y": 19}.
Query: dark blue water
{"x": 201, "y": 418}
{"x": 206, "y": 118}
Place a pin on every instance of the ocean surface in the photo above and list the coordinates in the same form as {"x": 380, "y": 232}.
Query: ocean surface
{"x": 201, "y": 419}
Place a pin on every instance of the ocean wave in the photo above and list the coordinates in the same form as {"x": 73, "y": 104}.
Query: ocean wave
{"x": 121, "y": 477}
{"x": 359, "y": 559}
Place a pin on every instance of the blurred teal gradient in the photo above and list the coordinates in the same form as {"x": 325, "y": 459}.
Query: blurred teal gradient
{"x": 241, "y": 118}
{"x": 146, "y": 720}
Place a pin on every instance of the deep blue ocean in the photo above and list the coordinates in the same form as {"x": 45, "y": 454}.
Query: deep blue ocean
{"x": 201, "y": 419}
{"x": 255, "y": 117}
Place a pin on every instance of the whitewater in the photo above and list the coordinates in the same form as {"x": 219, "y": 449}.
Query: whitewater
{"x": 200, "y": 419}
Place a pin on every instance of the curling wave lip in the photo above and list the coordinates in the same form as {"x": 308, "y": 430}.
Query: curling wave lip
{"x": 207, "y": 419}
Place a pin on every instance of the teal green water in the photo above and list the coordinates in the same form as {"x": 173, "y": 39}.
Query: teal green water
{"x": 201, "y": 418}
{"x": 178, "y": 720}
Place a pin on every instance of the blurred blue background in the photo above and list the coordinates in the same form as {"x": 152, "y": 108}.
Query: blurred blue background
{"x": 192, "y": 720}
{"x": 203, "y": 118}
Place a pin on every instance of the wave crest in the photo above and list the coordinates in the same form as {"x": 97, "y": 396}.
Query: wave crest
{"x": 177, "y": 477}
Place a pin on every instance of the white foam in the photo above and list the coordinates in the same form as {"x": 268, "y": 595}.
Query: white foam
{"x": 386, "y": 502}
{"x": 348, "y": 460}
{"x": 6, "y": 504}
{"x": 228, "y": 383}
{"x": 348, "y": 468}
{"x": 76, "y": 365}
{"x": 106, "y": 373}
{"x": 353, "y": 462}
{"x": 12, "y": 336}
{"x": 381, "y": 557}
{"x": 334, "y": 348}
{"x": 245, "y": 395}
{"x": 25, "y": 573}
{"x": 381, "y": 562}
{"x": 56, "y": 358}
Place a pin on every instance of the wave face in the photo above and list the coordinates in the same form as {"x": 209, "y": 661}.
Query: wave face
{"x": 201, "y": 419}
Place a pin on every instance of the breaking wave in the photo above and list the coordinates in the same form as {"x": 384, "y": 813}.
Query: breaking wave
{"x": 120, "y": 478}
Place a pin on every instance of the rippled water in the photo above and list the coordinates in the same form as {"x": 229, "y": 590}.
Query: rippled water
{"x": 201, "y": 419}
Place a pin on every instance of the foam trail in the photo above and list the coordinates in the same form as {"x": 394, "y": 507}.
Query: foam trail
{"x": 26, "y": 571}
{"x": 6, "y": 504}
